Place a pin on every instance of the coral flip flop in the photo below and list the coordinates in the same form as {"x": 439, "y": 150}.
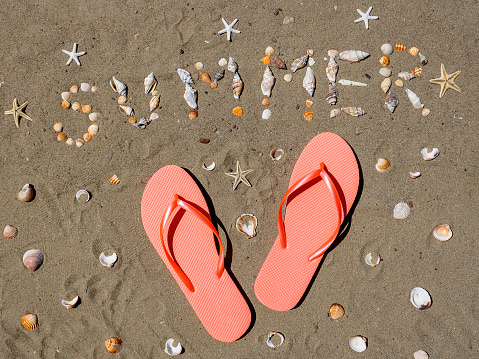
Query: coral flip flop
{"x": 322, "y": 189}
{"x": 176, "y": 219}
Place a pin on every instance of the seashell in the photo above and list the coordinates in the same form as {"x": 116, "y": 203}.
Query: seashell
{"x": 213, "y": 85}
{"x": 66, "y": 96}
{"x": 332, "y": 68}
{"x": 276, "y": 154}
{"x": 416, "y": 102}
{"x": 85, "y": 194}
{"x": 386, "y": 49}
{"x": 232, "y": 65}
{"x": 372, "y": 259}
{"x": 266, "y": 60}
{"x": 85, "y": 87}
{"x": 299, "y": 63}
{"x": 66, "y": 105}
{"x": 309, "y": 103}
{"x": 358, "y": 343}
{"x": 132, "y": 120}
{"x": 280, "y": 64}
{"x": 425, "y": 112}
{"x": 399, "y": 83}
{"x": 269, "y": 51}
{"x": 172, "y": 350}
{"x": 108, "y": 261}
{"x": 384, "y": 61}
{"x": 413, "y": 51}
{"x": 406, "y": 75}
{"x": 332, "y": 53}
{"x": 26, "y": 193}
{"x": 288, "y": 20}
{"x": 74, "y": 89}
{"x": 113, "y": 344}
{"x": 246, "y": 224}
{"x": 30, "y": 321}
{"x": 414, "y": 174}
{"x": 442, "y": 232}
{"x": 351, "y": 83}
{"x": 155, "y": 116}
{"x": 114, "y": 179}
{"x": 354, "y": 111}
{"x": 150, "y": 83}
{"x": 401, "y": 210}
{"x": 10, "y": 232}
{"x": 266, "y": 114}
{"x": 391, "y": 101}
{"x": 76, "y": 106}
{"x": 310, "y": 52}
{"x": 308, "y": 115}
{"x": 94, "y": 116}
{"x": 336, "y": 311}
{"x": 332, "y": 95}
{"x": 142, "y": 123}
{"x": 335, "y": 112}
{"x": 86, "y": 108}
{"x": 118, "y": 86}
{"x": 154, "y": 103}
{"x": 429, "y": 155}
{"x": 219, "y": 75}
{"x": 311, "y": 61}
{"x": 400, "y": 47}
{"x": 62, "y": 136}
{"x": 222, "y": 62}
{"x": 191, "y": 96}
{"x": 238, "y": 111}
{"x": 199, "y": 65}
{"x": 79, "y": 142}
{"x": 265, "y": 101}
{"x": 93, "y": 129}
{"x": 192, "y": 114}
{"x": 211, "y": 167}
{"x": 127, "y": 110}
{"x": 205, "y": 78}
{"x": 58, "y": 127}
{"x": 383, "y": 165}
{"x": 185, "y": 76}
{"x": 69, "y": 304}
{"x": 268, "y": 82}
{"x": 421, "y": 354}
{"x": 384, "y": 71}
{"x": 386, "y": 84}
{"x": 69, "y": 141}
{"x": 417, "y": 71}
{"x": 309, "y": 81}
{"x": 237, "y": 86}
{"x": 87, "y": 137}
{"x": 94, "y": 89}
{"x": 353, "y": 55}
{"x": 269, "y": 341}
{"x": 420, "y": 298}
{"x": 33, "y": 259}
{"x": 423, "y": 59}
{"x": 288, "y": 77}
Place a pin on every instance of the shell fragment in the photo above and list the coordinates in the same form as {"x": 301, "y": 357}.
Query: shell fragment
{"x": 172, "y": 350}
{"x": 271, "y": 335}
{"x": 83, "y": 195}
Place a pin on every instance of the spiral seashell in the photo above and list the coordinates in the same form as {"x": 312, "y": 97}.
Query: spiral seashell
{"x": 336, "y": 311}
{"x": 127, "y": 110}
{"x": 420, "y": 298}
{"x": 205, "y": 78}
{"x": 332, "y": 95}
{"x": 33, "y": 259}
{"x": 401, "y": 210}
{"x": 354, "y": 111}
{"x": 238, "y": 111}
{"x": 191, "y": 96}
{"x": 113, "y": 344}
{"x": 237, "y": 86}
{"x": 384, "y": 71}
{"x": 335, "y": 112}
{"x": 280, "y": 64}
{"x": 150, "y": 83}
{"x": 308, "y": 115}
{"x": 391, "y": 101}
{"x": 358, "y": 343}
{"x": 268, "y": 82}
{"x": 351, "y": 83}
{"x": 143, "y": 122}
{"x": 386, "y": 84}
{"x": 210, "y": 167}
{"x": 386, "y": 49}
{"x": 414, "y": 51}
{"x": 423, "y": 59}
{"x": 185, "y": 76}
{"x": 384, "y": 61}
{"x": 93, "y": 129}
{"x": 400, "y": 47}
{"x": 30, "y": 321}
{"x": 10, "y": 232}
{"x": 442, "y": 232}
{"x": 276, "y": 154}
{"x": 271, "y": 335}
{"x": 416, "y": 102}
{"x": 309, "y": 81}
{"x": 332, "y": 68}
{"x": 114, "y": 179}
{"x": 353, "y": 55}
{"x": 246, "y": 224}
{"x": 69, "y": 304}
{"x": 172, "y": 350}
{"x": 84, "y": 193}
{"x": 192, "y": 114}
{"x": 372, "y": 259}
{"x": 154, "y": 103}
{"x": 119, "y": 87}
{"x": 406, "y": 75}
{"x": 417, "y": 70}
{"x": 299, "y": 63}
{"x": 421, "y": 354}
{"x": 218, "y": 76}
{"x": 383, "y": 165}
{"x": 232, "y": 65}
{"x": 76, "y": 106}
{"x": 108, "y": 261}
{"x": 26, "y": 193}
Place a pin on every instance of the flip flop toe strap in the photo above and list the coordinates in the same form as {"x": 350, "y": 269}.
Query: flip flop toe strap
{"x": 321, "y": 172}
{"x": 177, "y": 202}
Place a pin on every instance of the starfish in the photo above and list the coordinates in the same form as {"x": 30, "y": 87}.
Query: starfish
{"x": 239, "y": 176}
{"x": 229, "y": 29}
{"x": 446, "y": 81}
{"x": 366, "y": 17}
{"x": 74, "y": 55}
{"x": 17, "y": 112}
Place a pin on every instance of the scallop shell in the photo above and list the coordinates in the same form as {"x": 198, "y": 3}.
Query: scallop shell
{"x": 372, "y": 259}
{"x": 58, "y": 127}
{"x": 237, "y": 86}
{"x": 76, "y": 106}
{"x": 154, "y": 103}
{"x": 358, "y": 343}
{"x": 232, "y": 65}
{"x": 33, "y": 259}
{"x": 416, "y": 102}
{"x": 192, "y": 114}
{"x": 30, "y": 321}
{"x": 118, "y": 86}
{"x": 266, "y": 115}
{"x": 79, "y": 142}
{"x": 246, "y": 224}
{"x": 308, "y": 115}
{"x": 114, "y": 179}
{"x": 332, "y": 95}
{"x": 353, "y": 55}
{"x": 205, "y": 78}
{"x": 269, "y": 341}
{"x": 384, "y": 71}
{"x": 108, "y": 261}
{"x": 211, "y": 167}
{"x": 442, "y": 232}
{"x": 309, "y": 81}
{"x": 185, "y": 76}
{"x": 219, "y": 75}
{"x": 391, "y": 101}
{"x": 66, "y": 96}
{"x": 10, "y": 232}
{"x": 354, "y": 111}
{"x": 74, "y": 89}
{"x": 155, "y": 116}
{"x": 406, "y": 75}
{"x": 87, "y": 137}
{"x": 336, "y": 311}
{"x": 386, "y": 49}
{"x": 414, "y": 174}
{"x": 280, "y": 64}
{"x": 222, "y": 62}
{"x": 421, "y": 354}
{"x": 150, "y": 83}
{"x": 399, "y": 83}
{"x": 172, "y": 350}
{"x": 268, "y": 82}
{"x": 335, "y": 112}
{"x": 417, "y": 71}
{"x": 269, "y": 51}
{"x": 238, "y": 111}
{"x": 276, "y": 154}
{"x": 127, "y": 110}
{"x": 69, "y": 304}
{"x": 62, "y": 136}
{"x": 83, "y": 192}
{"x": 400, "y": 47}
{"x": 85, "y": 87}
{"x": 299, "y": 63}
{"x": 113, "y": 344}
{"x": 309, "y": 103}
{"x": 423, "y": 59}
{"x": 86, "y": 108}
{"x": 191, "y": 96}
{"x": 420, "y": 298}
{"x": 66, "y": 105}
{"x": 384, "y": 61}
{"x": 94, "y": 116}
{"x": 93, "y": 129}
{"x": 401, "y": 210}
{"x": 26, "y": 193}
{"x": 414, "y": 51}
{"x": 386, "y": 84}
{"x": 332, "y": 68}
{"x": 383, "y": 165}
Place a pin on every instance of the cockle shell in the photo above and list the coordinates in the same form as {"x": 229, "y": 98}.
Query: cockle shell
{"x": 30, "y": 321}
{"x": 85, "y": 87}
{"x": 423, "y": 59}
{"x": 205, "y": 78}
{"x": 414, "y": 51}
{"x": 417, "y": 71}
{"x": 84, "y": 193}
{"x": 79, "y": 142}
{"x": 266, "y": 115}
{"x": 238, "y": 111}
{"x": 309, "y": 103}
{"x": 76, "y": 106}
{"x": 113, "y": 344}
{"x": 372, "y": 259}
{"x": 222, "y": 62}
{"x": 335, "y": 112}
{"x": 399, "y": 83}
{"x": 276, "y": 154}
{"x": 427, "y": 156}
{"x": 278, "y": 63}
{"x": 185, "y": 76}
{"x": 406, "y": 75}
{"x": 309, "y": 81}
{"x": 210, "y": 167}
{"x": 246, "y": 224}
{"x": 288, "y": 77}
{"x": 74, "y": 89}
{"x": 154, "y": 103}
{"x": 150, "y": 83}
{"x": 401, "y": 210}
{"x": 237, "y": 86}
{"x": 219, "y": 75}
{"x": 384, "y": 61}
{"x": 358, "y": 343}
{"x": 191, "y": 95}
{"x": 192, "y": 114}
{"x": 353, "y": 55}
{"x": 416, "y": 102}
{"x": 425, "y": 112}
{"x": 308, "y": 115}
{"x": 33, "y": 259}
{"x": 10, "y": 232}
{"x": 62, "y": 136}
{"x": 384, "y": 71}
{"x": 114, "y": 179}
{"x": 421, "y": 354}
{"x": 58, "y": 127}
{"x": 299, "y": 63}
{"x": 332, "y": 68}
{"x": 118, "y": 86}
{"x": 336, "y": 311}
{"x": 391, "y": 101}
{"x": 94, "y": 116}
{"x": 383, "y": 165}
{"x": 155, "y": 116}
{"x": 69, "y": 141}
{"x": 66, "y": 96}
{"x": 108, "y": 261}
{"x": 69, "y": 304}
{"x": 354, "y": 111}
{"x": 66, "y": 105}
{"x": 400, "y": 47}
{"x": 93, "y": 129}
{"x": 420, "y": 298}
{"x": 26, "y": 193}
{"x": 269, "y": 341}
{"x": 442, "y": 232}
{"x": 172, "y": 350}
{"x": 232, "y": 65}
{"x": 332, "y": 95}
{"x": 386, "y": 49}
{"x": 127, "y": 110}
{"x": 268, "y": 81}
{"x": 386, "y": 84}
{"x": 351, "y": 83}
{"x": 86, "y": 108}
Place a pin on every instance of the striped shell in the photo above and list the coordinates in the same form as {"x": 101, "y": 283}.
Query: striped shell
{"x": 308, "y": 115}
{"x": 309, "y": 81}
{"x": 154, "y": 103}
{"x": 150, "y": 83}
{"x": 400, "y": 47}
{"x": 33, "y": 259}
{"x": 384, "y": 60}
{"x": 414, "y": 51}
{"x": 278, "y": 63}
{"x": 383, "y": 165}
{"x": 246, "y": 224}
{"x": 336, "y": 311}
{"x": 354, "y": 111}
{"x": 442, "y": 232}
{"x": 10, "y": 232}
{"x": 114, "y": 179}
{"x": 332, "y": 95}
{"x": 118, "y": 86}
{"x": 113, "y": 344}
{"x": 237, "y": 86}
{"x": 126, "y": 110}
{"x": 30, "y": 321}
{"x": 417, "y": 70}
{"x": 391, "y": 101}
{"x": 332, "y": 68}
{"x": 401, "y": 210}
{"x": 299, "y": 63}
{"x": 353, "y": 55}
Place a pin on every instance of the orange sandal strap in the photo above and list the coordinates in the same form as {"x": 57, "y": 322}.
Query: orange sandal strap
{"x": 297, "y": 185}
{"x": 177, "y": 202}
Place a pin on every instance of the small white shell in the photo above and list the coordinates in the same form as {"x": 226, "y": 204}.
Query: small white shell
{"x": 420, "y": 298}
{"x": 190, "y": 96}
{"x": 154, "y": 116}
{"x": 276, "y": 154}
{"x": 94, "y": 116}
{"x": 266, "y": 114}
{"x": 414, "y": 174}
{"x": 309, "y": 81}
{"x": 172, "y": 350}
{"x": 268, "y": 81}
{"x": 372, "y": 259}
{"x": 211, "y": 167}
{"x": 271, "y": 335}
{"x": 246, "y": 224}
{"x": 429, "y": 155}
{"x": 288, "y": 77}
{"x": 335, "y": 112}
{"x": 94, "y": 88}
{"x": 442, "y": 232}
{"x": 386, "y": 72}
{"x": 425, "y": 112}
{"x": 93, "y": 129}
{"x": 70, "y": 303}
{"x": 85, "y": 87}
{"x": 387, "y": 49}
{"x": 83, "y": 192}
{"x": 351, "y": 83}
{"x": 232, "y": 65}
{"x": 118, "y": 86}
{"x": 108, "y": 261}
{"x": 421, "y": 354}
{"x": 416, "y": 102}
{"x": 386, "y": 84}
{"x": 127, "y": 110}
{"x": 311, "y": 61}
{"x": 199, "y": 65}
{"x": 223, "y": 62}
{"x": 66, "y": 96}
{"x": 401, "y": 210}
{"x": 358, "y": 343}
{"x": 185, "y": 76}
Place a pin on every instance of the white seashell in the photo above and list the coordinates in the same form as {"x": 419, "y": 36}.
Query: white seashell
{"x": 94, "y": 89}
{"x": 288, "y": 77}
{"x": 271, "y": 335}
{"x": 386, "y": 84}
{"x": 406, "y": 75}
{"x": 266, "y": 114}
{"x": 70, "y": 303}
{"x": 299, "y": 63}
{"x": 309, "y": 81}
{"x": 85, "y": 87}
{"x": 425, "y": 112}
{"x": 351, "y": 83}
{"x": 93, "y": 129}
{"x": 401, "y": 210}
{"x": 94, "y": 116}
{"x": 391, "y": 101}
{"x": 387, "y": 49}
{"x": 416, "y": 102}
{"x": 421, "y": 354}
{"x": 185, "y": 76}
{"x": 154, "y": 103}
{"x": 386, "y": 72}
{"x": 414, "y": 174}
{"x": 276, "y": 154}
{"x": 108, "y": 261}
{"x": 232, "y": 65}
{"x": 211, "y": 167}
{"x": 127, "y": 110}
{"x": 268, "y": 82}
{"x": 372, "y": 259}
{"x": 311, "y": 61}
{"x": 150, "y": 83}
{"x": 353, "y": 55}
{"x": 199, "y": 65}
{"x": 154, "y": 116}
{"x": 66, "y": 96}
{"x": 442, "y": 232}
{"x": 429, "y": 155}
{"x": 222, "y": 62}
{"x": 69, "y": 141}
{"x": 237, "y": 86}
{"x": 246, "y": 224}
{"x": 332, "y": 68}
{"x": 334, "y": 112}
{"x": 83, "y": 192}
{"x": 172, "y": 350}
{"x": 118, "y": 86}
{"x": 420, "y": 298}
{"x": 191, "y": 96}
{"x": 142, "y": 123}
{"x": 358, "y": 343}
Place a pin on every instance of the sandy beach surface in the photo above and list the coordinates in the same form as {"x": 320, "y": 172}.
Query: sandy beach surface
{"x": 138, "y": 300}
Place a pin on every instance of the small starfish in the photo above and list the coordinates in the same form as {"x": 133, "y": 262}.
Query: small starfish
{"x": 239, "y": 176}
{"x": 74, "y": 55}
{"x": 17, "y": 112}
{"x": 229, "y": 29}
{"x": 366, "y": 17}
{"x": 446, "y": 81}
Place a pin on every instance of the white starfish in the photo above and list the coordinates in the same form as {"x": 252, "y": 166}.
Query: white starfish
{"x": 229, "y": 29}
{"x": 74, "y": 55}
{"x": 366, "y": 17}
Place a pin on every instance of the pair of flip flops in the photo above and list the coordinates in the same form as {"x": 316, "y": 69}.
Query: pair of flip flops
{"x": 322, "y": 189}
